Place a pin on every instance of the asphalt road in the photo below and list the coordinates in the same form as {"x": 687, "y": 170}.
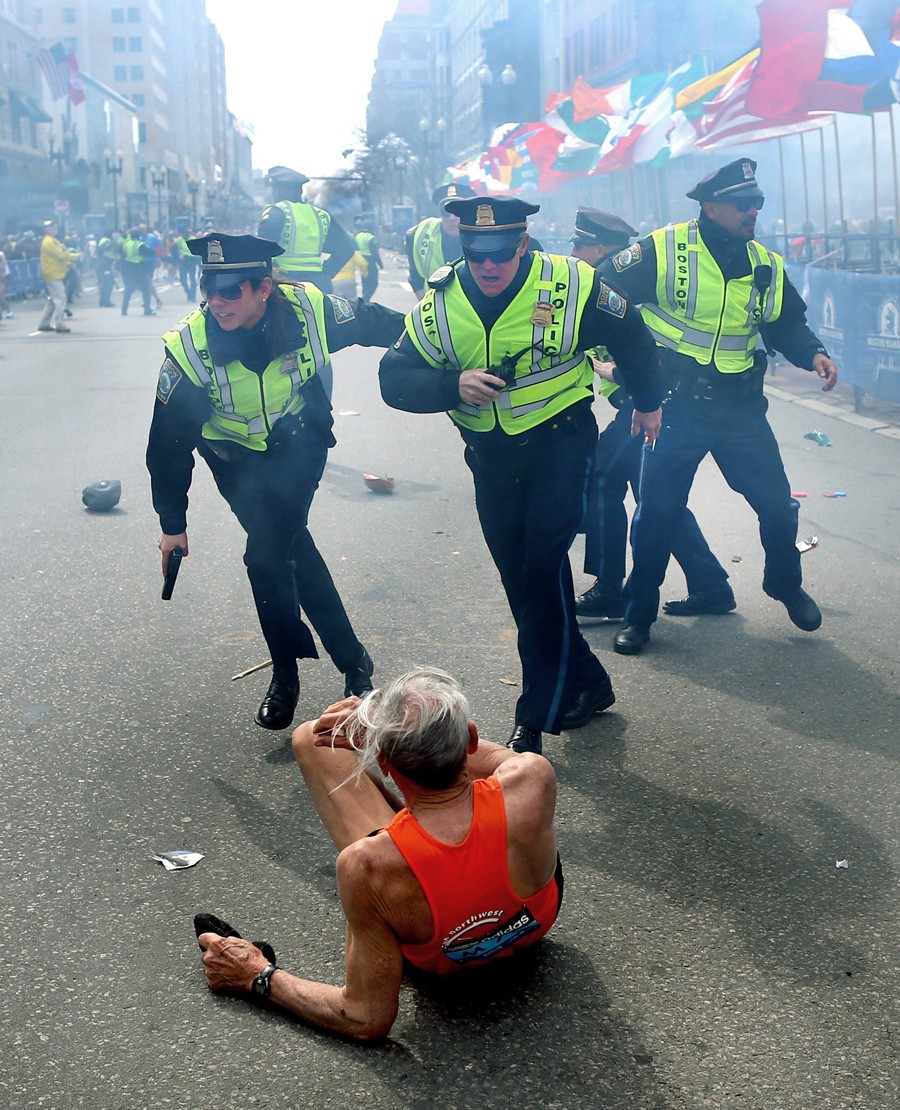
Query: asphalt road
{"x": 709, "y": 952}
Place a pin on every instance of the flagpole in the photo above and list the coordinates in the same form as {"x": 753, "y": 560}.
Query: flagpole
{"x": 824, "y": 183}
{"x": 784, "y": 245}
{"x": 894, "y": 160}
{"x": 805, "y": 178}
{"x": 837, "y": 151}
{"x": 874, "y": 184}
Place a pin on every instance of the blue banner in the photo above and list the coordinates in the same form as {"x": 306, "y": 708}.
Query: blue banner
{"x": 857, "y": 317}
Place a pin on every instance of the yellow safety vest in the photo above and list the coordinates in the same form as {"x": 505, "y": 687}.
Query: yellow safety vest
{"x": 364, "y": 241}
{"x": 700, "y": 315}
{"x": 246, "y": 405}
{"x": 180, "y": 244}
{"x": 303, "y": 235}
{"x": 547, "y": 310}
{"x": 428, "y": 253}
{"x": 131, "y": 251}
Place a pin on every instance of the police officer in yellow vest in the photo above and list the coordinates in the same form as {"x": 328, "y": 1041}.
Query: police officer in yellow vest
{"x": 240, "y": 384}
{"x": 710, "y": 293}
{"x": 617, "y": 464}
{"x": 434, "y": 241}
{"x": 304, "y": 232}
{"x": 499, "y": 342}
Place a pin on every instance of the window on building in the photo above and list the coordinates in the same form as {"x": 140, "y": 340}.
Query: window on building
{"x": 118, "y": 45}
{"x": 135, "y": 45}
{"x": 137, "y": 73}
{"x": 68, "y": 15}
{"x": 120, "y": 73}
{"x": 142, "y": 132}
{"x": 134, "y": 15}
{"x": 118, "y": 15}
{"x": 597, "y": 42}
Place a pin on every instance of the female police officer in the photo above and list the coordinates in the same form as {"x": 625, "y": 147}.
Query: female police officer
{"x": 240, "y": 384}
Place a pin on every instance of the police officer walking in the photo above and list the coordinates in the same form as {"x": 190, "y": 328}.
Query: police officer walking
{"x": 709, "y": 292}
{"x": 434, "y": 241}
{"x": 617, "y": 464}
{"x": 499, "y": 341}
{"x": 240, "y": 384}
{"x": 304, "y": 232}
{"x": 367, "y": 245}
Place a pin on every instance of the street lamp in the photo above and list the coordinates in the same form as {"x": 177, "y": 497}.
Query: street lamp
{"x": 433, "y": 143}
{"x": 56, "y": 156}
{"x": 158, "y": 178}
{"x": 193, "y": 187}
{"x": 114, "y": 170}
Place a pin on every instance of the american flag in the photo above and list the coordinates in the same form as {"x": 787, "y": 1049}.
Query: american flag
{"x": 60, "y": 68}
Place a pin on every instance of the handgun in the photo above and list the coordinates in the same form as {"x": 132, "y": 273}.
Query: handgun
{"x": 175, "y": 557}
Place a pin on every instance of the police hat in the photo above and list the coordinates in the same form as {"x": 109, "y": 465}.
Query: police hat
{"x": 490, "y": 223}
{"x": 230, "y": 259}
{"x": 102, "y": 496}
{"x": 451, "y": 191}
{"x": 737, "y": 179}
{"x": 283, "y": 175}
{"x": 593, "y": 227}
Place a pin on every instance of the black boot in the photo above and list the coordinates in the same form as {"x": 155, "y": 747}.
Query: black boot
{"x": 276, "y": 710}
{"x": 358, "y": 678}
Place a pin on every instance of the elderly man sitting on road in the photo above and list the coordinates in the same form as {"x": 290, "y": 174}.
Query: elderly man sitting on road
{"x": 467, "y": 872}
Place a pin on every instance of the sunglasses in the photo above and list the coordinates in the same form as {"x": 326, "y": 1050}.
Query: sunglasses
{"x": 498, "y": 256}
{"x": 744, "y": 204}
{"x": 231, "y": 293}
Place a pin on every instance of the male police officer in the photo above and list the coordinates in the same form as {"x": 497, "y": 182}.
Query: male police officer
{"x": 499, "y": 341}
{"x": 434, "y": 241}
{"x": 304, "y": 231}
{"x": 708, "y": 290}
{"x": 617, "y": 463}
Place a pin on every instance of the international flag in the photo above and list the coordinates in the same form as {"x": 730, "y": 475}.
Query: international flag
{"x": 60, "y": 68}
{"x": 819, "y": 55}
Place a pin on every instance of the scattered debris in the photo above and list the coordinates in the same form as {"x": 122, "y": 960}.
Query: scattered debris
{"x": 844, "y": 863}
{"x": 799, "y": 493}
{"x": 809, "y": 544}
{"x": 837, "y": 493}
{"x": 175, "y": 861}
{"x": 509, "y": 682}
{"x": 818, "y": 437}
{"x": 736, "y": 559}
{"x": 347, "y": 412}
{"x": 251, "y": 670}
{"x": 102, "y": 496}
{"x": 379, "y": 485}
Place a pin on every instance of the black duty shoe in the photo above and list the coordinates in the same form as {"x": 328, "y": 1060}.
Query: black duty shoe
{"x": 631, "y": 639}
{"x": 589, "y": 702}
{"x": 802, "y": 610}
{"x": 695, "y": 605}
{"x": 358, "y": 679}
{"x": 276, "y": 710}
{"x": 600, "y": 604}
{"x": 525, "y": 739}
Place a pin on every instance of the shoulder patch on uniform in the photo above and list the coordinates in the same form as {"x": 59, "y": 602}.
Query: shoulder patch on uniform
{"x": 630, "y": 256}
{"x": 169, "y": 376}
{"x": 610, "y": 301}
{"x": 440, "y": 277}
{"x": 343, "y": 310}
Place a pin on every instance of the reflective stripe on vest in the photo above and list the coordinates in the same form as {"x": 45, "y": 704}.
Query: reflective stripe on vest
{"x": 428, "y": 250}
{"x": 447, "y": 331}
{"x": 699, "y": 314}
{"x": 131, "y": 250}
{"x": 246, "y": 405}
{"x": 303, "y": 236}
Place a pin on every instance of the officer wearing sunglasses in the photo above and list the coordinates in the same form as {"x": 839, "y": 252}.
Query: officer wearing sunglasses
{"x": 241, "y": 385}
{"x": 717, "y": 302}
{"x": 499, "y": 341}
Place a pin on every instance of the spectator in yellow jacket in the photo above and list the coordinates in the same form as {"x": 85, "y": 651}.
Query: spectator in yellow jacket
{"x": 55, "y": 261}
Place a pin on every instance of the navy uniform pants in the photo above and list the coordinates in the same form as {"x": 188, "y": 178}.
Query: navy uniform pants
{"x": 529, "y": 493}
{"x": 270, "y": 492}
{"x": 739, "y": 438}
{"x": 617, "y": 463}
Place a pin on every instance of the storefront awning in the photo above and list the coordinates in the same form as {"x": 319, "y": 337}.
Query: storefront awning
{"x": 25, "y": 106}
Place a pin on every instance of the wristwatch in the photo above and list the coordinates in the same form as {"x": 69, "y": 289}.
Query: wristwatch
{"x": 261, "y": 984}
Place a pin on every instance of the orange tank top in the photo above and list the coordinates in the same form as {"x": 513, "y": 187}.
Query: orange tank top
{"x": 477, "y": 915}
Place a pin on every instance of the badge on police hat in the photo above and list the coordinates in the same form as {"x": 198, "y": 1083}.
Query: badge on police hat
{"x": 484, "y": 216}
{"x": 542, "y": 316}
{"x": 610, "y": 301}
{"x": 630, "y": 256}
{"x": 214, "y": 252}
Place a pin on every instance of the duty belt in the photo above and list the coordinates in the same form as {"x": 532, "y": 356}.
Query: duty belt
{"x": 716, "y": 387}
